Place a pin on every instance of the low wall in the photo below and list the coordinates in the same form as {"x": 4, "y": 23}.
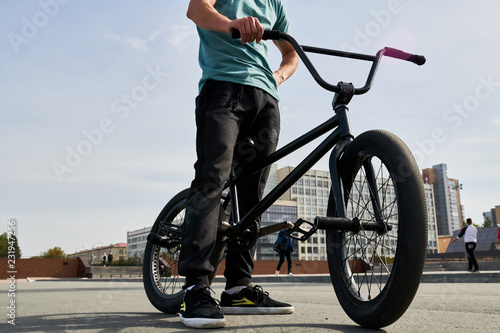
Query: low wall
{"x": 57, "y": 268}
{"x": 265, "y": 267}
{"x": 262, "y": 267}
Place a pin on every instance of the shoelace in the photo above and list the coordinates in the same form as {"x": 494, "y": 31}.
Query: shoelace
{"x": 261, "y": 294}
{"x": 205, "y": 296}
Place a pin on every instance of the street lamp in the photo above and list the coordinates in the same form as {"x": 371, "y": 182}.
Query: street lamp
{"x": 93, "y": 256}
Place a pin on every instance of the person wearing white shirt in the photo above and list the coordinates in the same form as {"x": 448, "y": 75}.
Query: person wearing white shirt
{"x": 470, "y": 238}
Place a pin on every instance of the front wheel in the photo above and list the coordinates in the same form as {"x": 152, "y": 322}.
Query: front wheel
{"x": 376, "y": 274}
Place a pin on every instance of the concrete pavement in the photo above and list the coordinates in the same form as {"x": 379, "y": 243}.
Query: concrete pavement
{"x": 427, "y": 277}
{"x": 122, "y": 306}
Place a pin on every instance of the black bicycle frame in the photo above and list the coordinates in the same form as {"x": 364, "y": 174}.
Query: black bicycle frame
{"x": 339, "y": 125}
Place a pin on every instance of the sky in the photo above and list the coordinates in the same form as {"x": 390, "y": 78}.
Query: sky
{"x": 97, "y": 104}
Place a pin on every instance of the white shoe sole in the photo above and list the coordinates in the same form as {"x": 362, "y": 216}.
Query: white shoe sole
{"x": 240, "y": 310}
{"x": 203, "y": 322}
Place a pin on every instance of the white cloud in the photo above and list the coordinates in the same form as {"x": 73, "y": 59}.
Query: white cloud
{"x": 113, "y": 36}
{"x": 180, "y": 34}
{"x": 156, "y": 33}
{"x": 136, "y": 43}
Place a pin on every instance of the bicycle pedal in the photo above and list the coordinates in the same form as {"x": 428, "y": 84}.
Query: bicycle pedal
{"x": 306, "y": 233}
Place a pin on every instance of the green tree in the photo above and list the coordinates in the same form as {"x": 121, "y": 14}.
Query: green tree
{"x": 134, "y": 260}
{"x": 487, "y": 222}
{"x": 54, "y": 253}
{"x": 9, "y": 246}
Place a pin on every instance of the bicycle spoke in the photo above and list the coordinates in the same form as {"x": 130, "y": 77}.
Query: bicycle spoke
{"x": 371, "y": 199}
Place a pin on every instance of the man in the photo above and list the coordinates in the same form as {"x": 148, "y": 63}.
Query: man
{"x": 238, "y": 99}
{"x": 470, "y": 239}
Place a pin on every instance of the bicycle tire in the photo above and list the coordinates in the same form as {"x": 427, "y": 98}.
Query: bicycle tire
{"x": 165, "y": 291}
{"x": 376, "y": 276}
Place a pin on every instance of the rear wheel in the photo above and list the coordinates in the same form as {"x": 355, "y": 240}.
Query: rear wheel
{"x": 376, "y": 273}
{"x": 162, "y": 282}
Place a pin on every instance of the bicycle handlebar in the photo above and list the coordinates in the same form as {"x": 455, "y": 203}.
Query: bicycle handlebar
{"x": 398, "y": 54}
{"x": 268, "y": 34}
{"x": 302, "y": 49}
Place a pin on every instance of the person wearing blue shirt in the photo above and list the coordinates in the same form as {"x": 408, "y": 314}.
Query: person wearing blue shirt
{"x": 284, "y": 246}
{"x": 238, "y": 99}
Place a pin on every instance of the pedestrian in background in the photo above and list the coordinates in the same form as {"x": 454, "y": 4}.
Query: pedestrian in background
{"x": 470, "y": 239}
{"x": 284, "y": 246}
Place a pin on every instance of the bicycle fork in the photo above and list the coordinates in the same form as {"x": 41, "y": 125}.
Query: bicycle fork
{"x": 340, "y": 223}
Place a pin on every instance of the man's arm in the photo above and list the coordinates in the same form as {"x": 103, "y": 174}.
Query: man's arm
{"x": 460, "y": 235}
{"x": 204, "y": 15}
{"x": 289, "y": 61}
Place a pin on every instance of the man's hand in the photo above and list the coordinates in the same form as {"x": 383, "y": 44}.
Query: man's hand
{"x": 249, "y": 27}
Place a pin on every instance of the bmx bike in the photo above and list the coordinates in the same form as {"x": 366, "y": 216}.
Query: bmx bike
{"x": 376, "y": 223}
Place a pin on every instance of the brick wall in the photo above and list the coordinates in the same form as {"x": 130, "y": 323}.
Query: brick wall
{"x": 264, "y": 267}
{"x": 40, "y": 268}
{"x": 73, "y": 268}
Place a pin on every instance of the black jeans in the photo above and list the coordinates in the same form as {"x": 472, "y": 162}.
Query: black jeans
{"x": 225, "y": 114}
{"x": 282, "y": 260}
{"x": 470, "y": 247}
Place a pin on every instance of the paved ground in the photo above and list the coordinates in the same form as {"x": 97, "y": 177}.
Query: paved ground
{"x": 122, "y": 306}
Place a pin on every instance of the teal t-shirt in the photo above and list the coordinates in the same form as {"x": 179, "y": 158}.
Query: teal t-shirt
{"x": 222, "y": 58}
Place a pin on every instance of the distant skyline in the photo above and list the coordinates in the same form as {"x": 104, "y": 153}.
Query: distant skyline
{"x": 97, "y": 104}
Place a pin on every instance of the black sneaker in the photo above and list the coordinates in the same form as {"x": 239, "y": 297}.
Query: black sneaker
{"x": 253, "y": 300}
{"x": 200, "y": 310}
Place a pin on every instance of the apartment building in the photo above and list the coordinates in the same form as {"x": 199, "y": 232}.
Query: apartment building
{"x": 311, "y": 193}
{"x": 449, "y": 211}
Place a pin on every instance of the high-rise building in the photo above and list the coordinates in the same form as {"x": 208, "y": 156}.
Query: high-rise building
{"x": 493, "y": 215}
{"x": 449, "y": 211}
{"x": 280, "y": 211}
{"x": 136, "y": 242}
{"x": 432, "y": 234}
{"x": 311, "y": 193}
